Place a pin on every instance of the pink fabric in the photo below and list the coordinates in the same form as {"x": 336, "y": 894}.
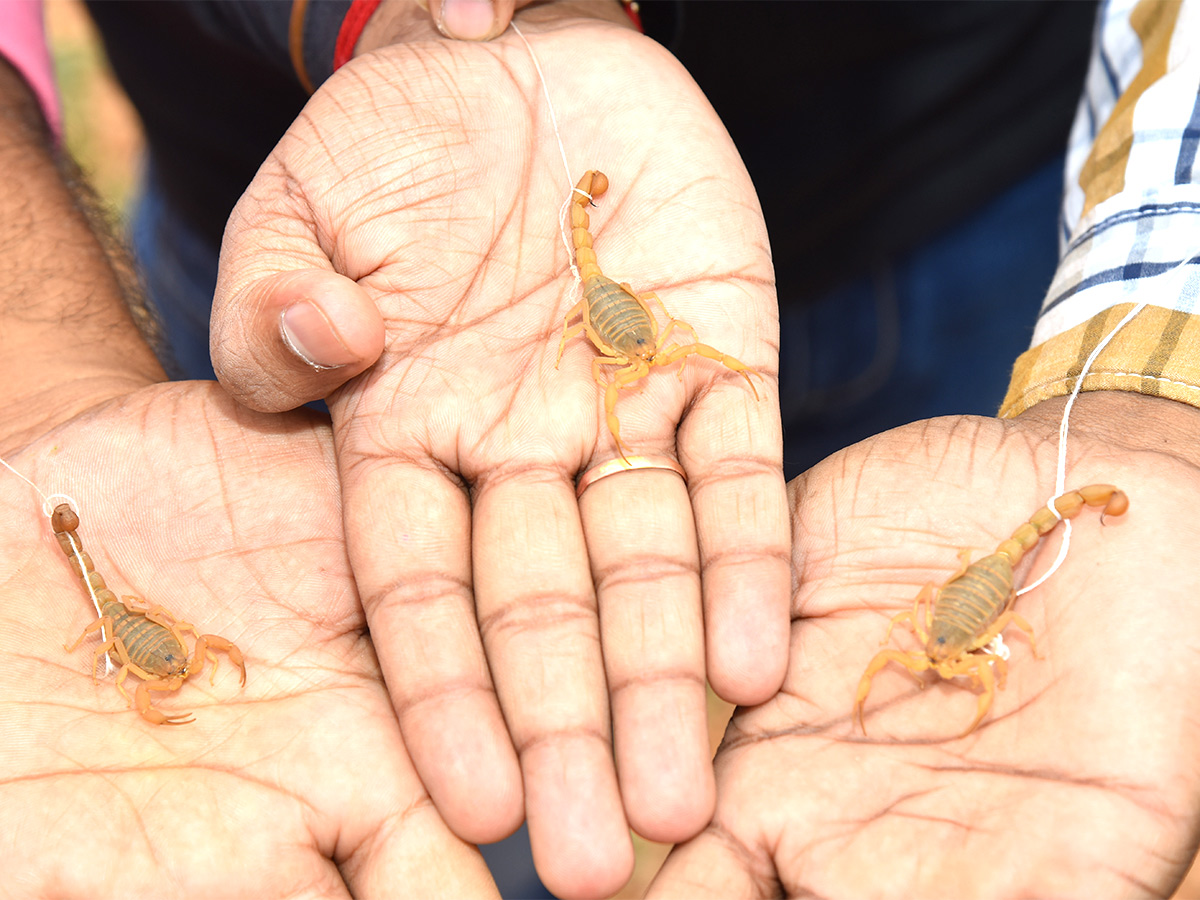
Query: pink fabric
{"x": 23, "y": 44}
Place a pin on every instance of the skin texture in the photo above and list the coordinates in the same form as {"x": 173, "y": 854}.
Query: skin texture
{"x": 1082, "y": 779}
{"x": 67, "y": 340}
{"x": 482, "y": 578}
{"x": 418, "y": 191}
{"x": 297, "y": 785}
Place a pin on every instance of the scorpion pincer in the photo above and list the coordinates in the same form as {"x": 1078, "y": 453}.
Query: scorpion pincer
{"x": 145, "y": 641}
{"x": 974, "y": 606}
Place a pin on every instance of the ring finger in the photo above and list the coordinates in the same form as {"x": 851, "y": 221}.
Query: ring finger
{"x": 645, "y": 564}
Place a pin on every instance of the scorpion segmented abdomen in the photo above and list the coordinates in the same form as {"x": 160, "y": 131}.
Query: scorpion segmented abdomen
{"x": 150, "y": 646}
{"x": 616, "y": 315}
{"x": 968, "y": 605}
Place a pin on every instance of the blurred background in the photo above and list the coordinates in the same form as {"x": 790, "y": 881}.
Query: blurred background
{"x": 103, "y": 134}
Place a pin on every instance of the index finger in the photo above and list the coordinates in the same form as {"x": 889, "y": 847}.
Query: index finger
{"x": 408, "y": 534}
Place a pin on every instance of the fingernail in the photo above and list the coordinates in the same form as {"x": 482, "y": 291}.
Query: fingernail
{"x": 467, "y": 20}
{"x": 311, "y": 336}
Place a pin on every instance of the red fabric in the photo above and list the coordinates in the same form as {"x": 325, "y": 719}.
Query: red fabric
{"x": 631, "y": 10}
{"x": 352, "y": 28}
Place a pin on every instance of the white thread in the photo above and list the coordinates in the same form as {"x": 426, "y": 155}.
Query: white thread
{"x": 48, "y": 511}
{"x": 48, "y": 504}
{"x": 77, "y": 551}
{"x": 1063, "y": 430}
{"x": 562, "y": 230}
{"x": 562, "y": 152}
{"x": 45, "y": 499}
{"x": 997, "y": 647}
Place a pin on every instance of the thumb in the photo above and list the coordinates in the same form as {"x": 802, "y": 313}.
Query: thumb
{"x": 292, "y": 337}
{"x": 472, "y": 20}
{"x": 709, "y": 867}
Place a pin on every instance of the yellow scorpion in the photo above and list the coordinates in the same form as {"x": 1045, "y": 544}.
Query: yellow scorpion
{"x": 619, "y": 322}
{"x": 145, "y": 641}
{"x": 974, "y": 606}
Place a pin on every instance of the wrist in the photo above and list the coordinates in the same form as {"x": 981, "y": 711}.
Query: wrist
{"x": 1123, "y": 421}
{"x": 43, "y": 407}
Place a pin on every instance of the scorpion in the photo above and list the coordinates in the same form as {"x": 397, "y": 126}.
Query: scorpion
{"x": 146, "y": 641}
{"x": 620, "y": 323}
{"x": 968, "y": 613}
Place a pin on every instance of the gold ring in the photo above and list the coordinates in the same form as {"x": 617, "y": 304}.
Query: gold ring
{"x": 613, "y": 466}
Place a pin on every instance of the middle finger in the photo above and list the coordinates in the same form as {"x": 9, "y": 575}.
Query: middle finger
{"x": 645, "y": 562}
{"x": 537, "y": 617}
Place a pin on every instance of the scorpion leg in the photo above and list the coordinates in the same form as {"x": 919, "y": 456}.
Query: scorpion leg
{"x": 672, "y": 324}
{"x": 979, "y": 669}
{"x": 99, "y": 625}
{"x": 912, "y": 616}
{"x": 1006, "y": 618}
{"x": 1000, "y": 667}
{"x": 1028, "y": 629}
{"x": 713, "y": 353}
{"x": 606, "y": 352}
{"x": 124, "y": 671}
{"x": 599, "y": 361}
{"x": 927, "y": 596}
{"x": 127, "y": 666}
{"x": 622, "y": 379}
{"x": 964, "y": 563}
{"x": 914, "y": 664}
{"x": 568, "y": 331}
{"x": 568, "y": 334}
{"x": 152, "y": 715}
{"x": 159, "y": 615}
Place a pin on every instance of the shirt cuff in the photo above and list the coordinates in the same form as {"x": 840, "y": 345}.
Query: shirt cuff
{"x": 1154, "y": 354}
{"x": 1134, "y": 247}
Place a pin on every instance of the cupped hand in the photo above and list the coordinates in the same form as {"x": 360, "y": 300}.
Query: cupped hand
{"x": 1082, "y": 778}
{"x": 297, "y": 784}
{"x": 423, "y": 185}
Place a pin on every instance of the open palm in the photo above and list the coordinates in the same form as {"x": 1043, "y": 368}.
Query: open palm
{"x": 297, "y": 784}
{"x": 1081, "y": 781}
{"x": 511, "y": 620}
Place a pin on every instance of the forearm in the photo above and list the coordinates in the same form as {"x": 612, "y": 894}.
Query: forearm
{"x": 67, "y": 338}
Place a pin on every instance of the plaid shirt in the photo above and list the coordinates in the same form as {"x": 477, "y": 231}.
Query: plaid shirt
{"x": 1130, "y": 217}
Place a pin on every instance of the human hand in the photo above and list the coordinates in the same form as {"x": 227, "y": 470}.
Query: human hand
{"x": 1080, "y": 781}
{"x": 297, "y": 784}
{"x": 422, "y": 185}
